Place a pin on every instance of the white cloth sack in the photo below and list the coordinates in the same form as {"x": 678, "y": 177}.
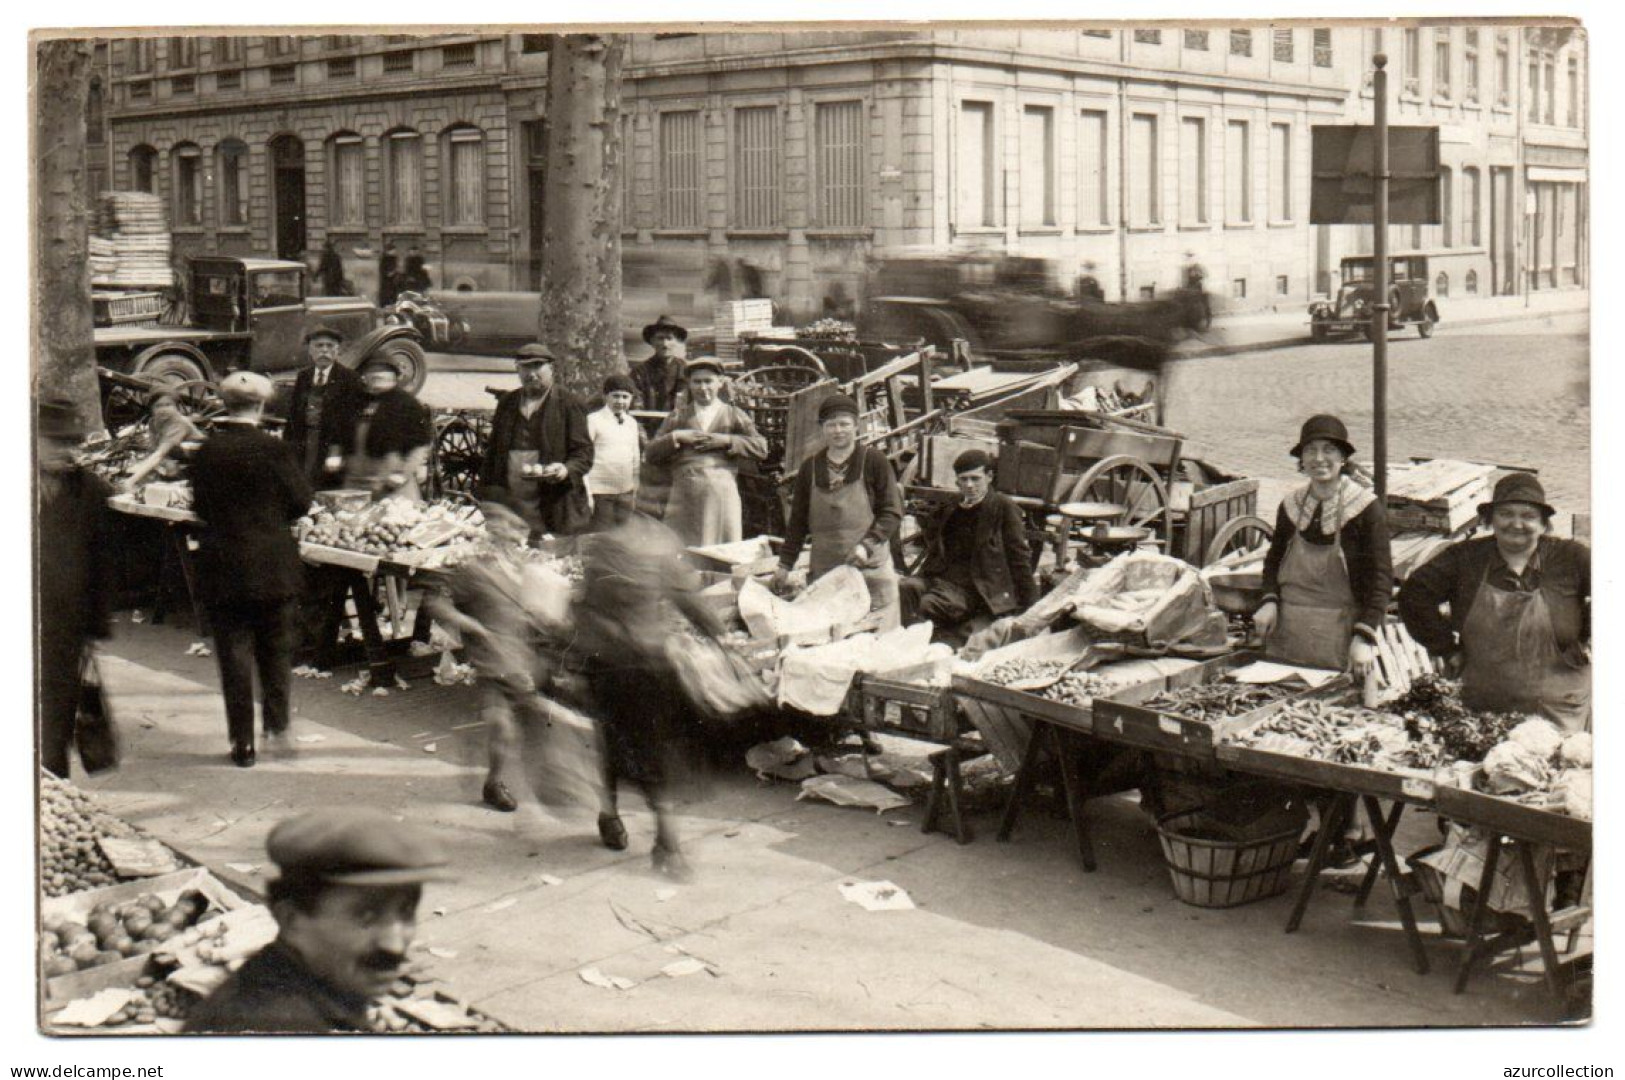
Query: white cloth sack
{"x": 816, "y": 680}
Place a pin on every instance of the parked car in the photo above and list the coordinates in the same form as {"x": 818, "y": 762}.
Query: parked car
{"x": 1409, "y": 300}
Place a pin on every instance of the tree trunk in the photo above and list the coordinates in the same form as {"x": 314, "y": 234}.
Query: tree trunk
{"x": 581, "y": 236}
{"x": 64, "y": 346}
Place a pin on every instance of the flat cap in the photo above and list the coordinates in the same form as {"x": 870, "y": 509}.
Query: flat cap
{"x": 972, "y": 459}
{"x": 347, "y": 845}
{"x": 836, "y": 405}
{"x": 243, "y": 387}
{"x": 702, "y": 363}
{"x": 321, "y": 329}
{"x": 534, "y": 353}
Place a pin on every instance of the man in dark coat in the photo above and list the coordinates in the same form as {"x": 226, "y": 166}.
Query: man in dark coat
{"x": 326, "y": 398}
{"x": 659, "y": 378}
{"x": 540, "y": 449}
{"x": 977, "y": 558}
{"x": 75, "y": 579}
{"x": 345, "y": 903}
{"x": 249, "y": 491}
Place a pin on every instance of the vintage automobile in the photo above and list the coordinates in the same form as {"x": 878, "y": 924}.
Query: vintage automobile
{"x": 247, "y": 313}
{"x": 1409, "y": 302}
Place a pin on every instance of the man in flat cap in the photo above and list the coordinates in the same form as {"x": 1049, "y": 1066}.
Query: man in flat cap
{"x": 249, "y": 490}
{"x": 345, "y": 903}
{"x": 540, "y": 448}
{"x": 660, "y": 378}
{"x": 326, "y": 398}
{"x": 977, "y": 560}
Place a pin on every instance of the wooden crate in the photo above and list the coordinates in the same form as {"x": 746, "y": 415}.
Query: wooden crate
{"x": 1400, "y": 660}
{"x": 902, "y": 708}
{"x": 1439, "y": 496}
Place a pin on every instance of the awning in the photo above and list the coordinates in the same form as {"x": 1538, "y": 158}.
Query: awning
{"x": 1553, "y": 174}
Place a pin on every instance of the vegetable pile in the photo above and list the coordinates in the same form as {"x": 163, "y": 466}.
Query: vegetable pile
{"x": 70, "y": 823}
{"x": 1321, "y": 731}
{"x": 1023, "y": 670}
{"x": 1080, "y": 688}
{"x": 109, "y": 933}
{"x": 1441, "y": 728}
{"x": 1211, "y": 702}
{"x": 392, "y": 526}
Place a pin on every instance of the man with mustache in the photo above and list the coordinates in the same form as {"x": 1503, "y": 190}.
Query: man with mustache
{"x": 346, "y": 907}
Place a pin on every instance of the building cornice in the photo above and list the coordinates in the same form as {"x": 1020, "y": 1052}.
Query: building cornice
{"x": 298, "y": 97}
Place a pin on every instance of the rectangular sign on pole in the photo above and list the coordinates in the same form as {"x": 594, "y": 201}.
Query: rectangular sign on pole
{"x": 1343, "y": 190}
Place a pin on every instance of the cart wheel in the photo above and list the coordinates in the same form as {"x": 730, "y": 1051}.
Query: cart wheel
{"x": 459, "y": 449}
{"x": 198, "y": 399}
{"x": 1131, "y": 483}
{"x": 795, "y": 356}
{"x": 1238, "y": 536}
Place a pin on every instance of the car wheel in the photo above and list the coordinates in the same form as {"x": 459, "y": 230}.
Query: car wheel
{"x": 1425, "y": 327}
{"x": 409, "y": 359}
{"x": 173, "y": 369}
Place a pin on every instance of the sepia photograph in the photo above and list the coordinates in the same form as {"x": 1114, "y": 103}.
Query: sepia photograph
{"x": 687, "y": 528}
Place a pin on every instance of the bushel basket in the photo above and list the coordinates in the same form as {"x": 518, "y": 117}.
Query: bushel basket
{"x": 1238, "y": 849}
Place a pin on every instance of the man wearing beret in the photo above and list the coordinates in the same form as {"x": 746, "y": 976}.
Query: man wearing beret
{"x": 326, "y": 398}
{"x": 540, "y": 450}
{"x": 249, "y": 490}
{"x": 660, "y": 378}
{"x": 977, "y": 561}
{"x": 617, "y": 451}
{"x": 345, "y": 904}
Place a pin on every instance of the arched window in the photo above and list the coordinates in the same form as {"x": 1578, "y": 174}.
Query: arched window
{"x": 464, "y": 175}
{"x": 188, "y": 161}
{"x": 403, "y": 177}
{"x": 232, "y": 167}
{"x": 143, "y": 168}
{"x": 1472, "y": 283}
{"x": 1441, "y": 285}
{"x": 346, "y": 156}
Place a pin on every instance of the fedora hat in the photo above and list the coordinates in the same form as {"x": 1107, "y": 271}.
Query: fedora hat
{"x": 1518, "y": 487}
{"x": 664, "y": 323}
{"x": 59, "y": 419}
{"x": 1324, "y": 426}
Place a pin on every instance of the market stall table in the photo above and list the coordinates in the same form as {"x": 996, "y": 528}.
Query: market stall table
{"x": 177, "y": 544}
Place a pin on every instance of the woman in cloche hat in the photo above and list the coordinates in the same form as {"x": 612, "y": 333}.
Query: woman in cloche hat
{"x": 1329, "y": 572}
{"x": 1519, "y": 624}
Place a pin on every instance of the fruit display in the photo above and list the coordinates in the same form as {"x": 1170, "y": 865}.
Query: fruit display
{"x": 1080, "y": 688}
{"x": 1025, "y": 669}
{"x": 70, "y": 823}
{"x": 392, "y": 526}
{"x": 155, "y": 999}
{"x": 1212, "y": 702}
{"x": 110, "y": 933}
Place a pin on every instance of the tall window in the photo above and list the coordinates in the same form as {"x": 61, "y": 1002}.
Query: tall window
{"x": 1093, "y": 207}
{"x": 1574, "y": 92}
{"x": 680, "y": 161}
{"x": 978, "y": 166}
{"x": 182, "y": 52}
{"x": 1413, "y": 61}
{"x": 228, "y": 50}
{"x": 840, "y": 144}
{"x": 1441, "y": 62}
{"x": 757, "y": 176}
{"x": 1447, "y": 207}
{"x": 1038, "y": 165}
{"x": 1145, "y": 175}
{"x": 1549, "y": 113}
{"x": 1534, "y": 89}
{"x": 465, "y": 166}
{"x": 188, "y": 184}
{"x": 1469, "y": 66}
{"x": 403, "y": 172}
{"x": 1282, "y": 45}
{"x": 1280, "y": 172}
{"x": 282, "y": 46}
{"x": 1503, "y": 68}
{"x": 1238, "y": 173}
{"x": 233, "y": 168}
{"x": 1323, "y": 47}
{"x": 1241, "y": 43}
{"x": 349, "y": 186}
{"x": 1196, "y": 39}
{"x": 1472, "y": 194}
{"x": 141, "y": 52}
{"x": 143, "y": 164}
{"x": 1193, "y": 171}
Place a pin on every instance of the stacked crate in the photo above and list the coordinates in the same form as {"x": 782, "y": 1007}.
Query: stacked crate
{"x": 732, "y": 319}
{"x": 1439, "y": 496}
{"x": 133, "y": 233}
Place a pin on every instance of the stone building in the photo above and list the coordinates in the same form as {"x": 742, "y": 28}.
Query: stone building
{"x": 778, "y": 163}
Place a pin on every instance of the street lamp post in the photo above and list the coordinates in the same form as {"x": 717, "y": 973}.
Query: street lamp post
{"x": 1379, "y": 312}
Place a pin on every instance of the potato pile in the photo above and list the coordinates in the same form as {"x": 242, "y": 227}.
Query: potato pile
{"x": 1081, "y": 688}
{"x": 392, "y": 525}
{"x": 70, "y": 822}
{"x": 1024, "y": 669}
{"x": 111, "y": 933}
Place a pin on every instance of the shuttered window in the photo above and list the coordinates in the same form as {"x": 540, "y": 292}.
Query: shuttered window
{"x": 1193, "y": 171}
{"x": 838, "y": 129}
{"x": 758, "y": 160}
{"x": 467, "y": 168}
{"x": 1323, "y": 47}
{"x": 1145, "y": 177}
{"x": 188, "y": 185}
{"x": 1283, "y": 45}
{"x": 404, "y": 162}
{"x": 1093, "y": 208}
{"x": 349, "y": 181}
{"x": 1280, "y": 172}
{"x": 1037, "y": 165}
{"x": 680, "y": 169}
{"x": 233, "y": 182}
{"x": 1238, "y": 174}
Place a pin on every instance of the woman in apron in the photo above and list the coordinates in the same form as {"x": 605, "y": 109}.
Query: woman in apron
{"x": 847, "y": 501}
{"x": 1519, "y": 625}
{"x": 388, "y": 448}
{"x": 1329, "y": 573}
{"x": 702, "y": 442}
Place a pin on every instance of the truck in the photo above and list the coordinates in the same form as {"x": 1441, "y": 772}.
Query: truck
{"x": 251, "y": 314}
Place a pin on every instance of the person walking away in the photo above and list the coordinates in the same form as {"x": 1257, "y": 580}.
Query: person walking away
{"x": 847, "y": 502}
{"x": 75, "y": 587}
{"x": 345, "y": 899}
{"x": 415, "y": 278}
{"x": 617, "y": 450}
{"x": 660, "y": 377}
{"x": 1195, "y": 284}
{"x": 703, "y": 442}
{"x": 169, "y": 433}
{"x": 330, "y": 270}
{"x": 248, "y": 491}
{"x": 389, "y": 282}
{"x": 540, "y": 449}
{"x": 326, "y": 399}
{"x": 1518, "y": 631}
{"x": 977, "y": 560}
{"x": 386, "y": 449}
{"x": 1328, "y": 574}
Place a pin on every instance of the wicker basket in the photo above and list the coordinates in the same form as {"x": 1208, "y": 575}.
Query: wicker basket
{"x": 1217, "y": 864}
{"x": 765, "y": 394}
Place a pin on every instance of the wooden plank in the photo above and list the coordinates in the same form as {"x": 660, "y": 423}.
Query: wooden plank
{"x": 1436, "y": 479}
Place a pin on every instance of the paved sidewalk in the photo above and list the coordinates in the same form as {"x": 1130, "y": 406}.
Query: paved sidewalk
{"x": 1004, "y": 935}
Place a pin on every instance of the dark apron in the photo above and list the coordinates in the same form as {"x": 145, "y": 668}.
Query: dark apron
{"x": 1513, "y": 663}
{"x": 313, "y": 448}
{"x": 525, "y": 490}
{"x": 838, "y": 520}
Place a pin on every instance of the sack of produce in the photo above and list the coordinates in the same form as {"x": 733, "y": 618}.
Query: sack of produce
{"x": 1145, "y": 599}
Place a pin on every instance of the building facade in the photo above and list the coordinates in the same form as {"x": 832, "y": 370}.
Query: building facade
{"x": 779, "y": 163}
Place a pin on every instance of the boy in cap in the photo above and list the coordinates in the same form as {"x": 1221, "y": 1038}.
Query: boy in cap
{"x": 617, "y": 450}
{"x": 326, "y": 398}
{"x": 345, "y": 903}
{"x": 249, "y": 491}
{"x": 540, "y": 450}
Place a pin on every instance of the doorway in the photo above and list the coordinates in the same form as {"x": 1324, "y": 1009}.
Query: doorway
{"x": 288, "y": 196}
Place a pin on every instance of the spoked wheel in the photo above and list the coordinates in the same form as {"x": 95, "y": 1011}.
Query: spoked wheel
{"x": 198, "y": 399}
{"x": 1236, "y": 539}
{"x": 1132, "y": 484}
{"x": 459, "y": 450}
